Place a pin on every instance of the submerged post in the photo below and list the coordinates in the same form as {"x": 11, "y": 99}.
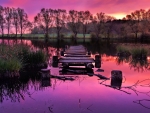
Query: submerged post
{"x": 55, "y": 61}
{"x": 97, "y": 61}
{"x": 116, "y": 78}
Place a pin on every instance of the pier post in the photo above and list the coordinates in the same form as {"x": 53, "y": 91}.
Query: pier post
{"x": 116, "y": 78}
{"x": 97, "y": 61}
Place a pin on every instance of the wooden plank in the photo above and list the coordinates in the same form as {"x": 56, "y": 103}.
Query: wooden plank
{"x": 71, "y": 55}
{"x": 74, "y": 47}
{"x": 76, "y": 58}
{"x": 75, "y": 61}
{"x": 76, "y": 53}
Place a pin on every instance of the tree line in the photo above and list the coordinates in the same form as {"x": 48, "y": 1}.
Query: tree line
{"x": 13, "y": 18}
{"x": 15, "y": 21}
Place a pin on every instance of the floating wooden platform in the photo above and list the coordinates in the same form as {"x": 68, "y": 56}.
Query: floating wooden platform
{"x": 78, "y": 50}
{"x": 77, "y": 47}
{"x": 76, "y": 55}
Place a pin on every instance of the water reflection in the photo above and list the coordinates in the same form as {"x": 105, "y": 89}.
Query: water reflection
{"x": 139, "y": 65}
{"x": 16, "y": 89}
{"x": 13, "y": 90}
{"x": 78, "y": 92}
{"x": 135, "y": 64}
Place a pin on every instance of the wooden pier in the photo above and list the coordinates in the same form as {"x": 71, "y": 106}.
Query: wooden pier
{"x": 76, "y": 55}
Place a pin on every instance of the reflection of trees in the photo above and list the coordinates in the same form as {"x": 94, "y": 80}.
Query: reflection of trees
{"x": 134, "y": 88}
{"x": 95, "y": 47}
{"x": 16, "y": 89}
{"x": 134, "y": 63}
{"x": 13, "y": 90}
{"x": 121, "y": 59}
{"x": 139, "y": 65}
{"x": 140, "y": 102}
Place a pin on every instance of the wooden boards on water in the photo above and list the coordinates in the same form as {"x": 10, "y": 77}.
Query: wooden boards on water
{"x": 70, "y": 55}
{"x": 76, "y": 55}
{"x": 75, "y": 61}
{"x": 76, "y": 58}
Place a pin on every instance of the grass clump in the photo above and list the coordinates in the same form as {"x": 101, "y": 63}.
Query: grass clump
{"x": 36, "y": 57}
{"x": 139, "y": 53}
{"x": 8, "y": 58}
{"x": 17, "y": 57}
{"x": 10, "y": 65}
{"x": 123, "y": 51}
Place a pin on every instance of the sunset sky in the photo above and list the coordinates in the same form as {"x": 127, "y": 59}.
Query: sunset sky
{"x": 117, "y": 8}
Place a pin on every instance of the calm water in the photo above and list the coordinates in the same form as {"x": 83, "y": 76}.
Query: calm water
{"x": 85, "y": 94}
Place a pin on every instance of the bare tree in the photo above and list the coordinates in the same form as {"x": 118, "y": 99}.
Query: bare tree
{"x": 74, "y": 22}
{"x": 15, "y": 22}
{"x": 121, "y": 28}
{"x": 98, "y": 22}
{"x": 45, "y": 20}
{"x": 23, "y": 18}
{"x": 8, "y": 17}
{"x": 27, "y": 27}
{"x": 2, "y": 20}
{"x": 145, "y": 23}
{"x": 108, "y": 25}
{"x": 85, "y": 17}
{"x": 134, "y": 20}
{"x": 60, "y": 20}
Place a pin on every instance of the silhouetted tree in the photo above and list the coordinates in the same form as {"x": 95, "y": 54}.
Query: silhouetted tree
{"x": 23, "y": 20}
{"x": 60, "y": 20}
{"x": 121, "y": 28}
{"x": 85, "y": 19}
{"x": 8, "y": 18}
{"x": 74, "y": 22}
{"x": 2, "y": 20}
{"x": 15, "y": 22}
{"x": 135, "y": 19}
{"x": 108, "y": 25}
{"x": 145, "y": 23}
{"x": 27, "y": 27}
{"x": 98, "y": 22}
{"x": 45, "y": 20}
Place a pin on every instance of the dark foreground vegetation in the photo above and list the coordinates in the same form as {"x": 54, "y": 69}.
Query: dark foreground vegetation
{"x": 59, "y": 23}
{"x": 16, "y": 58}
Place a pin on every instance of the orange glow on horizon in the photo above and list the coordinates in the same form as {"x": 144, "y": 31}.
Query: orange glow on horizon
{"x": 119, "y": 15}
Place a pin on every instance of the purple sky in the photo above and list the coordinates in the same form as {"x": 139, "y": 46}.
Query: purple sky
{"x": 117, "y": 8}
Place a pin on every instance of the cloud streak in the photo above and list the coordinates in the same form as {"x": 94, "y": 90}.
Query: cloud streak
{"x": 112, "y": 7}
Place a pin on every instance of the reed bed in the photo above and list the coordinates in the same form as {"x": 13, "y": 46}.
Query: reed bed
{"x": 17, "y": 57}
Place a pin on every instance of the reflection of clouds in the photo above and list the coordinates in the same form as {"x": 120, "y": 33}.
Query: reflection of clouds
{"x": 108, "y": 58}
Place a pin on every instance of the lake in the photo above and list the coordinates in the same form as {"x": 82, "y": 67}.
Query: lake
{"x": 83, "y": 93}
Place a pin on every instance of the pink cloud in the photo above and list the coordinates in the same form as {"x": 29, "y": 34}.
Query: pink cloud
{"x": 112, "y": 7}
